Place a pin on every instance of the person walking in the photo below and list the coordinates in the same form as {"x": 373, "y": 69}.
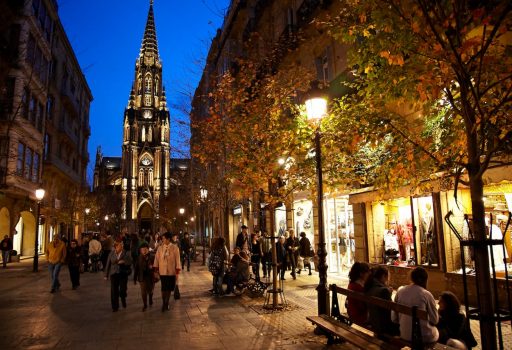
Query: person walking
{"x": 74, "y": 259}
{"x": 144, "y": 275}
{"x": 6, "y": 247}
{"x": 168, "y": 265}
{"x": 292, "y": 247}
{"x": 416, "y": 294}
{"x": 106, "y": 246}
{"x": 217, "y": 264}
{"x": 117, "y": 270}
{"x": 94, "y": 253}
{"x": 305, "y": 251}
{"x": 186, "y": 250}
{"x": 56, "y": 256}
{"x": 85, "y": 252}
{"x": 266, "y": 258}
{"x": 281, "y": 256}
{"x": 256, "y": 254}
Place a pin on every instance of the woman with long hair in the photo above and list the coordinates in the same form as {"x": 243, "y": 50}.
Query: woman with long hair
{"x": 357, "y": 310}
{"x": 218, "y": 259}
{"x": 453, "y": 326}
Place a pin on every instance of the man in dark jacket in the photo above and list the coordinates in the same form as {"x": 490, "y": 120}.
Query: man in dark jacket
{"x": 74, "y": 259}
{"x": 379, "y": 318}
{"x": 292, "y": 248}
{"x": 243, "y": 240}
{"x": 305, "y": 251}
{"x": 6, "y": 247}
{"x": 186, "y": 250}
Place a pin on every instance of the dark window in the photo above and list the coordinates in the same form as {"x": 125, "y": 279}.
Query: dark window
{"x": 50, "y": 107}
{"x": 35, "y": 169}
{"x": 32, "y": 109}
{"x": 40, "y": 117}
{"x": 28, "y": 164}
{"x": 35, "y": 6}
{"x": 8, "y": 101}
{"x": 42, "y": 15}
{"x": 31, "y": 48}
{"x": 47, "y": 146}
{"x": 14, "y": 41}
{"x": 21, "y": 159}
{"x": 73, "y": 88}
{"x": 25, "y": 101}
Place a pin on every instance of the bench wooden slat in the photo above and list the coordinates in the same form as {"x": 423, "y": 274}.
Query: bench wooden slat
{"x": 386, "y": 304}
{"x": 351, "y": 335}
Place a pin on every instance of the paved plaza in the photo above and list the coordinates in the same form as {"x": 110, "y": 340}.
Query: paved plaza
{"x": 32, "y": 318}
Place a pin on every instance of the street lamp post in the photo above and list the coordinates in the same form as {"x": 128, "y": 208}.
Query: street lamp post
{"x": 182, "y": 211}
{"x": 316, "y": 108}
{"x": 204, "y": 195}
{"x": 39, "y": 197}
{"x": 87, "y": 211}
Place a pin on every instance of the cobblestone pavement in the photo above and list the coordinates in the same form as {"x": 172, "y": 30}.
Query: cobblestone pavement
{"x": 32, "y": 318}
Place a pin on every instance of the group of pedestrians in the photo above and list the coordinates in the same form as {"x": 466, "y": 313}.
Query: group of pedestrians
{"x": 445, "y": 325}
{"x": 154, "y": 259}
{"x": 253, "y": 253}
{"x": 151, "y": 259}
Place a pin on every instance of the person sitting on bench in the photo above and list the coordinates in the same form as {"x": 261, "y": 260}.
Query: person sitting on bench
{"x": 453, "y": 326}
{"x": 416, "y": 294}
{"x": 357, "y": 310}
{"x": 380, "y": 318}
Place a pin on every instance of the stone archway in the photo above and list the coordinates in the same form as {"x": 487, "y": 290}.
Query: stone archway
{"x": 145, "y": 217}
{"x": 23, "y": 241}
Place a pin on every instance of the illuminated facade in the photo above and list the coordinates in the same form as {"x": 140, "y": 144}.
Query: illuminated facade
{"x": 143, "y": 172}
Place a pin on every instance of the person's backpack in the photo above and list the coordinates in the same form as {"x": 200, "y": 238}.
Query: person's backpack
{"x": 216, "y": 262}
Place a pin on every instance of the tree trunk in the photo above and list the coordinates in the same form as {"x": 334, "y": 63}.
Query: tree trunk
{"x": 275, "y": 299}
{"x": 483, "y": 276}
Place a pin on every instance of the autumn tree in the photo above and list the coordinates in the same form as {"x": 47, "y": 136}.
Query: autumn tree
{"x": 432, "y": 93}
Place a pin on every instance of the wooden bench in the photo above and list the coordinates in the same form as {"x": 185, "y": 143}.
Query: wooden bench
{"x": 338, "y": 327}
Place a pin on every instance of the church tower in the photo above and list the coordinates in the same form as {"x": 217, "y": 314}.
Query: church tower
{"x": 146, "y": 138}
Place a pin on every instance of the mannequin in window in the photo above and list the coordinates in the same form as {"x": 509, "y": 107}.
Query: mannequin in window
{"x": 428, "y": 237}
{"x": 494, "y": 232}
{"x": 406, "y": 237}
{"x": 391, "y": 247}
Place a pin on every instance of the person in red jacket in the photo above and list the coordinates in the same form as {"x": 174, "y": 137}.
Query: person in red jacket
{"x": 357, "y": 310}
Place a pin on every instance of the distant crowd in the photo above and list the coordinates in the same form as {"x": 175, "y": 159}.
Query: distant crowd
{"x": 149, "y": 258}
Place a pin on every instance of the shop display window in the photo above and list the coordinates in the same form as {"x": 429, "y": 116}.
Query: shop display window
{"x": 303, "y": 216}
{"x": 280, "y": 220}
{"x": 497, "y": 203}
{"x": 339, "y": 230}
{"x": 404, "y": 232}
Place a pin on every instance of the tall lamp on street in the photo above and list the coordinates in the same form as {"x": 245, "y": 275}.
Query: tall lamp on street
{"x": 182, "y": 211}
{"x": 87, "y": 211}
{"x": 39, "y": 197}
{"x": 316, "y": 109}
{"x": 204, "y": 195}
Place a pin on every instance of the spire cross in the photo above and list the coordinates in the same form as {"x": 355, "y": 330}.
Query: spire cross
{"x": 150, "y": 2}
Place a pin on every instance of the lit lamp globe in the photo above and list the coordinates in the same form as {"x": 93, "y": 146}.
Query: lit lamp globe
{"x": 87, "y": 211}
{"x": 182, "y": 211}
{"x": 316, "y": 107}
{"x": 40, "y": 194}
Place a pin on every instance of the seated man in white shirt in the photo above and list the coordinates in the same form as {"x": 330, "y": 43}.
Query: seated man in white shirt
{"x": 416, "y": 294}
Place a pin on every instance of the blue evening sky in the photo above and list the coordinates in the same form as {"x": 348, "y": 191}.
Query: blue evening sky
{"x": 106, "y": 36}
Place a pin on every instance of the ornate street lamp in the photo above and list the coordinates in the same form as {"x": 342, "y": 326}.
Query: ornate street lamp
{"x": 316, "y": 109}
{"x": 39, "y": 197}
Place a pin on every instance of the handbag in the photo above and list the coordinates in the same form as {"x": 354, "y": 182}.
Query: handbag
{"x": 156, "y": 277}
{"x": 177, "y": 292}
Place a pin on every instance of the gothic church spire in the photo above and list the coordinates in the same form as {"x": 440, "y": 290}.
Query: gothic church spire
{"x": 149, "y": 43}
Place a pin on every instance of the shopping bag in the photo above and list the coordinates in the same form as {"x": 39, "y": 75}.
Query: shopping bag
{"x": 177, "y": 293}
